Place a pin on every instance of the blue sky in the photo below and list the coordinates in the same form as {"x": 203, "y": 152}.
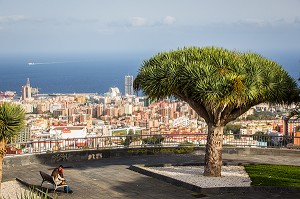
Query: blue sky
{"x": 84, "y": 26}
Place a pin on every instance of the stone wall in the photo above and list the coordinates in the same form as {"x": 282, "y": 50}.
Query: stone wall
{"x": 87, "y": 155}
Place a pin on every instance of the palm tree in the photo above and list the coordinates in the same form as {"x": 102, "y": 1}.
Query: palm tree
{"x": 218, "y": 84}
{"x": 11, "y": 122}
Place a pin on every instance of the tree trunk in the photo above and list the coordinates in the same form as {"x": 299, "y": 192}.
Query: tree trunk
{"x": 1, "y": 162}
{"x": 213, "y": 155}
{"x": 2, "y": 154}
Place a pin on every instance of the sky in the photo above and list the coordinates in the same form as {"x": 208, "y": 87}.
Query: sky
{"x": 135, "y": 26}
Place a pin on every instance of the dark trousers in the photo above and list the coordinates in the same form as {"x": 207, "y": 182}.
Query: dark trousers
{"x": 67, "y": 189}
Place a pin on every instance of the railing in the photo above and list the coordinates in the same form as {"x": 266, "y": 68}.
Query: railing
{"x": 138, "y": 141}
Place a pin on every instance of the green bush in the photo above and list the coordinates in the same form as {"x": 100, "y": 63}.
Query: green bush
{"x": 131, "y": 137}
{"x": 186, "y": 143}
{"x": 156, "y": 139}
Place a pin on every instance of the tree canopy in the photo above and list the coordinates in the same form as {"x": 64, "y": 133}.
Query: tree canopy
{"x": 216, "y": 80}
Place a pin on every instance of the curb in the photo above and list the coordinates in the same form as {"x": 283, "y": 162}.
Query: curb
{"x": 214, "y": 190}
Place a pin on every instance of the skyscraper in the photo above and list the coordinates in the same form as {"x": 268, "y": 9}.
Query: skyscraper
{"x": 26, "y": 91}
{"x": 128, "y": 85}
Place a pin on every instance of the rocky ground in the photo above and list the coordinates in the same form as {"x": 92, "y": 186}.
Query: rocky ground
{"x": 232, "y": 176}
{"x": 12, "y": 189}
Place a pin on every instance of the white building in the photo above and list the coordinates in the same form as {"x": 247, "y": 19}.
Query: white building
{"x": 26, "y": 91}
{"x": 55, "y": 106}
{"x": 67, "y": 132}
{"x": 113, "y": 92}
{"x": 128, "y": 109}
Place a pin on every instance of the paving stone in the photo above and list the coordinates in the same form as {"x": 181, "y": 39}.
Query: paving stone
{"x": 110, "y": 178}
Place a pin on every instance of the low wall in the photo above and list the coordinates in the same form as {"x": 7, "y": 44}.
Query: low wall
{"x": 86, "y": 155}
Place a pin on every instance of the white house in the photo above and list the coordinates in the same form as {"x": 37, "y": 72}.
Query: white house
{"x": 67, "y": 132}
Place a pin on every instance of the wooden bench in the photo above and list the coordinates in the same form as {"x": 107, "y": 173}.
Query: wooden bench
{"x": 50, "y": 180}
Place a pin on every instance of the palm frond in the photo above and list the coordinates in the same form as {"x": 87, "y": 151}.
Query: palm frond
{"x": 11, "y": 120}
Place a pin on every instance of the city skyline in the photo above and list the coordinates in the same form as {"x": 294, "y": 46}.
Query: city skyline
{"x": 27, "y": 92}
{"x": 90, "y": 46}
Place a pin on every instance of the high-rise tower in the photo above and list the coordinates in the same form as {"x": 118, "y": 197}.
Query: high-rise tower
{"x": 128, "y": 85}
{"x": 26, "y": 91}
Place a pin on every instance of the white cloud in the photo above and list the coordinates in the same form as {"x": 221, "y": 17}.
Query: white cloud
{"x": 267, "y": 23}
{"x": 12, "y": 18}
{"x": 138, "y": 21}
{"x": 105, "y": 30}
{"x": 80, "y": 20}
{"x": 169, "y": 20}
{"x": 141, "y": 21}
{"x": 253, "y": 21}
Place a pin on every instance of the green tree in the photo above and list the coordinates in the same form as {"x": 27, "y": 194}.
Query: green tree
{"x": 260, "y": 136}
{"x": 263, "y": 115}
{"x": 154, "y": 140}
{"x": 11, "y": 122}
{"x": 218, "y": 84}
{"x": 232, "y": 128}
{"x": 131, "y": 137}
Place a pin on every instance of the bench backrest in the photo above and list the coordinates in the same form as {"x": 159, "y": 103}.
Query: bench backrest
{"x": 47, "y": 177}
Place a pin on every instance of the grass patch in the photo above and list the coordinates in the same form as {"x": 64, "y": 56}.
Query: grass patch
{"x": 119, "y": 132}
{"x": 123, "y": 132}
{"x": 273, "y": 175}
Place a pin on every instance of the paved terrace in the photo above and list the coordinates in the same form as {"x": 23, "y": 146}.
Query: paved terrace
{"x": 110, "y": 177}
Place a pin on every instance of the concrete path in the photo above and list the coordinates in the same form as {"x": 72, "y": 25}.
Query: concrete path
{"x": 110, "y": 178}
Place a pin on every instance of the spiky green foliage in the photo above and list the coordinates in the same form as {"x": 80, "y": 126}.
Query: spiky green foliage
{"x": 29, "y": 194}
{"x": 219, "y": 84}
{"x": 11, "y": 120}
{"x": 33, "y": 194}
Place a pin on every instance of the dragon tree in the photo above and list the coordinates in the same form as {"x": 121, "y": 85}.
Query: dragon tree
{"x": 219, "y": 84}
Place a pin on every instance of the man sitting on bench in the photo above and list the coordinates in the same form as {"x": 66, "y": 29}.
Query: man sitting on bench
{"x": 59, "y": 180}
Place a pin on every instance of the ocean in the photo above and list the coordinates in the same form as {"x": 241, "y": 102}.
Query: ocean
{"x": 87, "y": 73}
{"x": 67, "y": 73}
